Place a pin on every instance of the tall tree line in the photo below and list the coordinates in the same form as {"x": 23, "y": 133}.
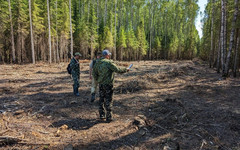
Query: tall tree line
{"x": 220, "y": 41}
{"x": 52, "y": 30}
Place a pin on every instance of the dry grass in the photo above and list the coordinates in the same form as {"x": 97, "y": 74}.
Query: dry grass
{"x": 157, "y": 105}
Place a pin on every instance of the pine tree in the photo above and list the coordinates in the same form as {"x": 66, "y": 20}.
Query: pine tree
{"x": 121, "y": 43}
{"x": 12, "y": 36}
{"x": 142, "y": 43}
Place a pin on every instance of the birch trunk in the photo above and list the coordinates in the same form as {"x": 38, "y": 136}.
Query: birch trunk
{"x": 49, "y": 34}
{"x": 227, "y": 66}
{"x": 31, "y": 31}
{"x": 115, "y": 48}
{"x": 212, "y": 25}
{"x": 70, "y": 18}
{"x": 57, "y": 47}
{"x": 222, "y": 35}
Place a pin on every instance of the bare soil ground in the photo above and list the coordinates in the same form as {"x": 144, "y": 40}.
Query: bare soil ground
{"x": 158, "y": 105}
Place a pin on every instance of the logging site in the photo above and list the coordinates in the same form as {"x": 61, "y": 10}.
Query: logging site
{"x": 119, "y": 75}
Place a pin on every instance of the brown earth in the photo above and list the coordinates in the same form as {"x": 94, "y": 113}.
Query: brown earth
{"x": 157, "y": 105}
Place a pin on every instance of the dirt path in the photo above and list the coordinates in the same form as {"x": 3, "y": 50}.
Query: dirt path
{"x": 158, "y": 105}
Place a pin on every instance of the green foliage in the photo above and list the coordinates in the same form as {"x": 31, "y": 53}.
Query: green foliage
{"x": 168, "y": 32}
{"x": 107, "y": 39}
{"x": 122, "y": 38}
{"x": 141, "y": 38}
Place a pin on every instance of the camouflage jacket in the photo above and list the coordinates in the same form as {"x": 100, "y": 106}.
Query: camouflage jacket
{"x": 104, "y": 69}
{"x": 74, "y": 64}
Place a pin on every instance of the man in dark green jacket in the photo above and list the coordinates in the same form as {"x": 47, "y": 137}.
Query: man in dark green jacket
{"x": 103, "y": 72}
{"x": 75, "y": 71}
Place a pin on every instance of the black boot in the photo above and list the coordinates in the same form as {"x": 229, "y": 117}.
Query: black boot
{"x": 77, "y": 93}
{"x": 93, "y": 97}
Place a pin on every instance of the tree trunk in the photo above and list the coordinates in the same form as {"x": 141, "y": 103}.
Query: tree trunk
{"x": 222, "y": 35}
{"x": 31, "y": 30}
{"x": 212, "y": 25}
{"x": 150, "y": 30}
{"x": 12, "y": 35}
{"x": 236, "y": 55}
{"x": 57, "y": 48}
{"x": 115, "y": 48}
{"x": 105, "y": 15}
{"x": 226, "y": 73}
{"x": 98, "y": 15}
{"x": 88, "y": 11}
{"x": 70, "y": 18}
{"x": 49, "y": 34}
{"x": 132, "y": 12}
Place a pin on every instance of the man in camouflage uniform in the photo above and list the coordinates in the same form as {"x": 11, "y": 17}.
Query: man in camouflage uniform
{"x": 75, "y": 71}
{"x": 94, "y": 82}
{"x": 103, "y": 72}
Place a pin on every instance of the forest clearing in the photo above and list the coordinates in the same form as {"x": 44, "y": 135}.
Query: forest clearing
{"x": 157, "y": 105}
{"x": 182, "y": 92}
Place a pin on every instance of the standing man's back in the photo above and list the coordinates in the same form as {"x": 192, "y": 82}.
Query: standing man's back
{"x": 103, "y": 72}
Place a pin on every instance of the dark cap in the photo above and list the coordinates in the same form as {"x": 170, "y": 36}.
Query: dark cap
{"x": 106, "y": 52}
{"x": 77, "y": 54}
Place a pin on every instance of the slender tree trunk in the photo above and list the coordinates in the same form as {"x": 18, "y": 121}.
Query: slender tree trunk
{"x": 212, "y": 26}
{"x": 222, "y": 35}
{"x": 83, "y": 8}
{"x": 12, "y": 35}
{"x": 105, "y": 15}
{"x": 132, "y": 12}
{"x": 49, "y": 34}
{"x": 31, "y": 30}
{"x": 115, "y": 48}
{"x": 219, "y": 55}
{"x": 57, "y": 48}
{"x": 88, "y": 12}
{"x": 70, "y": 18}
{"x": 236, "y": 55}
{"x": 98, "y": 15}
{"x": 150, "y": 30}
{"x": 226, "y": 73}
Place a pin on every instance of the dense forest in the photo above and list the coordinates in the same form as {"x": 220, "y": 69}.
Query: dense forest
{"x": 220, "y": 41}
{"x": 52, "y": 30}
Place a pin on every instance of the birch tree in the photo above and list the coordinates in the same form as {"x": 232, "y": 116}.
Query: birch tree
{"x": 31, "y": 30}
{"x": 49, "y": 34}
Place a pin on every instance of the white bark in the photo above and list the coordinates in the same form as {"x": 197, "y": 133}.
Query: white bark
{"x": 212, "y": 25}
{"x": 70, "y": 18}
{"x": 57, "y": 48}
{"x": 31, "y": 31}
{"x": 49, "y": 34}
{"x": 231, "y": 39}
{"x": 222, "y": 34}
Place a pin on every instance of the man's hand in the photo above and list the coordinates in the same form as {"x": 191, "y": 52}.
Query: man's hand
{"x": 128, "y": 69}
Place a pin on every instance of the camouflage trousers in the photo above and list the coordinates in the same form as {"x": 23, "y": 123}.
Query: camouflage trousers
{"x": 105, "y": 101}
{"x": 75, "y": 81}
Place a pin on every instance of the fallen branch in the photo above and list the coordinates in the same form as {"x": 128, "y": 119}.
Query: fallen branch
{"x": 7, "y": 140}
